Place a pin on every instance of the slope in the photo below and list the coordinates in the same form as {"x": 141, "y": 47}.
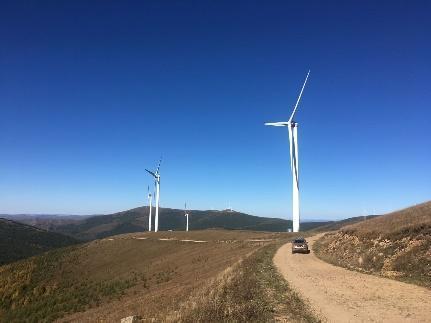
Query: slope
{"x": 18, "y": 241}
{"x": 395, "y": 245}
{"x": 336, "y": 225}
{"x": 150, "y": 274}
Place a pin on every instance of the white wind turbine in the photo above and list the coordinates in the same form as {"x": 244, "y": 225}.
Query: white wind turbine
{"x": 150, "y": 203}
{"x": 292, "y": 127}
{"x": 187, "y": 216}
{"x": 156, "y": 176}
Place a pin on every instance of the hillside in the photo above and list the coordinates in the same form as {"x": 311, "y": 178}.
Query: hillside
{"x": 155, "y": 275}
{"x": 18, "y": 241}
{"x": 336, "y": 225}
{"x": 395, "y": 245}
{"x": 136, "y": 220}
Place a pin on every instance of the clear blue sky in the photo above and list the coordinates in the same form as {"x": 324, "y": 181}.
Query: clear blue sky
{"x": 93, "y": 92}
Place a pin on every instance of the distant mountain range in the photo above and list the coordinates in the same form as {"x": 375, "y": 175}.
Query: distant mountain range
{"x": 136, "y": 220}
{"x": 45, "y": 221}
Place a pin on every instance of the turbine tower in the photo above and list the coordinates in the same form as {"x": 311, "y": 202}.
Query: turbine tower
{"x": 187, "y": 216}
{"x": 150, "y": 202}
{"x": 156, "y": 176}
{"x": 292, "y": 127}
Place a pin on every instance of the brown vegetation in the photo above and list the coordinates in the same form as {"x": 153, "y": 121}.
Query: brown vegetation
{"x": 250, "y": 291}
{"x": 154, "y": 275}
{"x": 396, "y": 245}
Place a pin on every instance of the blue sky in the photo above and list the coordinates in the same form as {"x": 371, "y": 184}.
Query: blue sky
{"x": 93, "y": 93}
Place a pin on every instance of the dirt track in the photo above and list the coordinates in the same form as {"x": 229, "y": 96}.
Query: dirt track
{"x": 341, "y": 295}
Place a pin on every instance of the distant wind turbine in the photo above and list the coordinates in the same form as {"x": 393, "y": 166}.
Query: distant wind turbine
{"x": 187, "y": 217}
{"x": 150, "y": 202}
{"x": 292, "y": 127}
{"x": 156, "y": 176}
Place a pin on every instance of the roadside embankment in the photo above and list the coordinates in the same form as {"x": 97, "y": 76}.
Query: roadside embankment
{"x": 396, "y": 245}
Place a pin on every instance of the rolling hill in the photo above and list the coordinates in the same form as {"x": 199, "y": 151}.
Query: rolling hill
{"x": 396, "y": 245}
{"x": 18, "y": 241}
{"x": 136, "y": 220}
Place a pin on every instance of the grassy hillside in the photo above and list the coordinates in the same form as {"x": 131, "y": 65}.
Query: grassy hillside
{"x": 395, "y": 245}
{"x": 136, "y": 220}
{"x": 336, "y": 225}
{"x": 155, "y": 275}
{"x": 18, "y": 241}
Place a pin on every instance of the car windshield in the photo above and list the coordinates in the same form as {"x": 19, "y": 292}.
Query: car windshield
{"x": 299, "y": 241}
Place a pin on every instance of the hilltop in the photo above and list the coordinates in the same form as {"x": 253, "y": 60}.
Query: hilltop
{"x": 396, "y": 245}
{"x": 18, "y": 241}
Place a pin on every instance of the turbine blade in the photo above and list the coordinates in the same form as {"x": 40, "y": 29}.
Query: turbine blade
{"x": 277, "y": 124}
{"x": 299, "y": 97}
{"x": 158, "y": 166}
{"x": 151, "y": 172}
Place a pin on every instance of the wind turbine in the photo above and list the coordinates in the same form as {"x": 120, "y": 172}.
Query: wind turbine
{"x": 150, "y": 202}
{"x": 156, "y": 176}
{"x": 187, "y": 216}
{"x": 292, "y": 127}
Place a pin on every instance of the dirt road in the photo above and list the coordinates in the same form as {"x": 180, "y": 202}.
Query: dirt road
{"x": 341, "y": 295}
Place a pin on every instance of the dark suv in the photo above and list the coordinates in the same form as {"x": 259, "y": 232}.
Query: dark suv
{"x": 300, "y": 245}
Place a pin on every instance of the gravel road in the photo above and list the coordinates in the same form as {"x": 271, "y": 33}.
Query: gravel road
{"x": 340, "y": 295}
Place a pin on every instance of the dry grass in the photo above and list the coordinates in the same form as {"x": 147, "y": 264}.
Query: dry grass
{"x": 108, "y": 279}
{"x": 411, "y": 221}
{"x": 396, "y": 245}
{"x": 252, "y": 290}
